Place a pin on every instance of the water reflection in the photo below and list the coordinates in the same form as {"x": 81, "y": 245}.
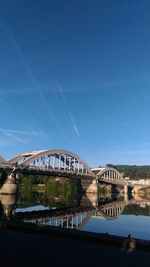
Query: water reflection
{"x": 108, "y": 208}
{"x": 101, "y": 213}
{"x": 7, "y": 206}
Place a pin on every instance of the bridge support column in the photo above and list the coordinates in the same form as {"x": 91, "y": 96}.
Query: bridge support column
{"x": 8, "y": 203}
{"x": 125, "y": 192}
{"x": 125, "y": 189}
{"x": 10, "y": 186}
{"x": 89, "y": 186}
{"x": 138, "y": 189}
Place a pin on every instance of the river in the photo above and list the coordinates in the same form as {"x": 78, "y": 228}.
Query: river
{"x": 59, "y": 204}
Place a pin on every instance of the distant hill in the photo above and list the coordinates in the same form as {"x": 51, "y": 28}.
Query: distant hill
{"x": 134, "y": 171}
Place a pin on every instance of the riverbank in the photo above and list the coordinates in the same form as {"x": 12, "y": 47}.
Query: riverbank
{"x": 29, "y": 245}
{"x": 28, "y": 249}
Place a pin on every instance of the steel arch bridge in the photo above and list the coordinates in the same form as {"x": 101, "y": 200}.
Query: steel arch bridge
{"x": 61, "y": 160}
{"x": 108, "y": 175}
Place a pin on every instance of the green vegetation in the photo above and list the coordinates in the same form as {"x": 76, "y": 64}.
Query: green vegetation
{"x": 63, "y": 191}
{"x": 135, "y": 172}
{"x": 35, "y": 179}
{"x": 102, "y": 190}
{"x": 137, "y": 210}
{"x": 27, "y": 194}
{"x": 51, "y": 192}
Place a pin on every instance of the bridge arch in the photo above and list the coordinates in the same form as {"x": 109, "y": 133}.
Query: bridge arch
{"x": 109, "y": 173}
{"x": 53, "y": 159}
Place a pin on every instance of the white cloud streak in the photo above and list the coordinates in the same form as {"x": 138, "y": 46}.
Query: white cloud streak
{"x": 74, "y": 125}
{"x": 69, "y": 116}
{"x": 31, "y": 133}
{"x": 30, "y": 90}
{"x": 63, "y": 108}
{"x": 125, "y": 123}
{"x": 9, "y": 137}
{"x": 14, "y": 137}
{"x": 17, "y": 135}
{"x": 36, "y": 87}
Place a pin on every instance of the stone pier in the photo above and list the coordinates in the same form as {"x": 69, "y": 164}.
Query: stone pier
{"x": 10, "y": 186}
{"x": 89, "y": 186}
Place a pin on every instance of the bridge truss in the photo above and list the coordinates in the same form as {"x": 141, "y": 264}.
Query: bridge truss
{"x": 110, "y": 173}
{"x": 53, "y": 160}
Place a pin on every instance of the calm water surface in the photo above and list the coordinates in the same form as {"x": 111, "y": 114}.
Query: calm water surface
{"x": 117, "y": 216}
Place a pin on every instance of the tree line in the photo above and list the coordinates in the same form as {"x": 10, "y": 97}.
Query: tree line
{"x": 133, "y": 171}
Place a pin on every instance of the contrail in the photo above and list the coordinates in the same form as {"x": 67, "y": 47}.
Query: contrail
{"x": 23, "y": 90}
{"x": 125, "y": 123}
{"x": 65, "y": 114}
{"x": 73, "y": 123}
{"x": 13, "y": 136}
{"x": 29, "y": 72}
{"x": 53, "y": 117}
{"x": 3, "y": 130}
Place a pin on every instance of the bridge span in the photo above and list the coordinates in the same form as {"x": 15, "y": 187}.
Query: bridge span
{"x": 59, "y": 163}
{"x": 63, "y": 163}
{"x": 114, "y": 177}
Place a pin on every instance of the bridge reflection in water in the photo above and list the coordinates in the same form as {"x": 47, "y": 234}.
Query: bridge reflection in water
{"x": 75, "y": 217}
{"x": 71, "y": 220}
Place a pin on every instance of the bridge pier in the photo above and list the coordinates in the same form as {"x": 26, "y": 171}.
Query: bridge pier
{"x": 93, "y": 188}
{"x": 89, "y": 200}
{"x": 8, "y": 203}
{"x": 138, "y": 189}
{"x": 125, "y": 189}
{"x": 89, "y": 186}
{"x": 10, "y": 186}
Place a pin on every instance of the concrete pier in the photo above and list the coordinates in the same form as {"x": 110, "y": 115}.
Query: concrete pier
{"x": 89, "y": 186}
{"x": 10, "y": 186}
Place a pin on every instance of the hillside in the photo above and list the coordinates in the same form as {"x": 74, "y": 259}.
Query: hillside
{"x": 134, "y": 171}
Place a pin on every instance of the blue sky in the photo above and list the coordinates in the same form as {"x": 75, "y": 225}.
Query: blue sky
{"x": 76, "y": 75}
